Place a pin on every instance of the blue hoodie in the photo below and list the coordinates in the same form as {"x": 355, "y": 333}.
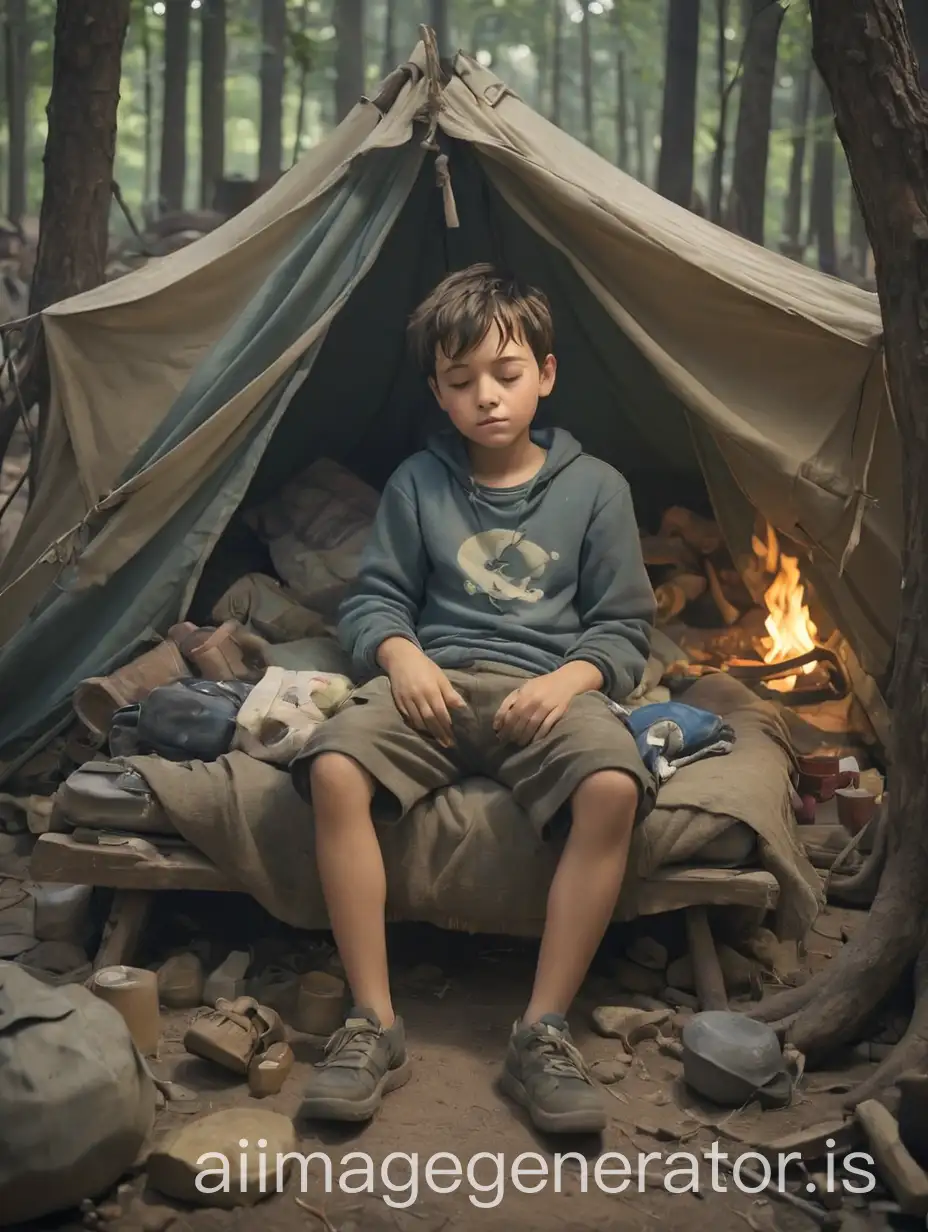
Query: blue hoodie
{"x": 533, "y": 576}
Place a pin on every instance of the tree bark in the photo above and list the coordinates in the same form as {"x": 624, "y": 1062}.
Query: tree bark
{"x": 862, "y": 51}
{"x": 916, "y": 16}
{"x": 586, "y": 75}
{"x": 79, "y": 149}
{"x": 349, "y": 55}
{"x": 762, "y": 21}
{"x": 148, "y": 103}
{"x": 793, "y": 245}
{"x": 678, "y": 120}
{"x": 17, "y": 46}
{"x": 174, "y": 112}
{"x": 822, "y": 193}
{"x": 273, "y": 71}
{"x": 438, "y": 20}
{"x": 641, "y": 135}
{"x": 557, "y": 63}
{"x": 212, "y": 98}
{"x": 858, "y": 243}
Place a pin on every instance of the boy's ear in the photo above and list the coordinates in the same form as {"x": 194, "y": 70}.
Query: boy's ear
{"x": 547, "y": 373}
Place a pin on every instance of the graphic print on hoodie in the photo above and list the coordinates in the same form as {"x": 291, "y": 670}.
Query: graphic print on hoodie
{"x": 532, "y": 576}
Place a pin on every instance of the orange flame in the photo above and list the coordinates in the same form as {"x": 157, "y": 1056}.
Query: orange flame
{"x": 790, "y": 628}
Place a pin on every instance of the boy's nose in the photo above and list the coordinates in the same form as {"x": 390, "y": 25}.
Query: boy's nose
{"x": 487, "y": 395}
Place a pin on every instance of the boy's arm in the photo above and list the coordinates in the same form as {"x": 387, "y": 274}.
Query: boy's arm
{"x": 385, "y": 600}
{"x": 615, "y": 598}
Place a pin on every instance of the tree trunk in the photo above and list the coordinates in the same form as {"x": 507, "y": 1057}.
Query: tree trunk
{"x": 858, "y": 243}
{"x": 273, "y": 70}
{"x": 17, "y": 47}
{"x": 822, "y": 193}
{"x": 557, "y": 63}
{"x": 349, "y": 55}
{"x": 621, "y": 109}
{"x": 861, "y": 49}
{"x": 916, "y": 16}
{"x": 438, "y": 20}
{"x": 793, "y": 245}
{"x": 390, "y": 59}
{"x": 678, "y": 121}
{"x": 641, "y": 135}
{"x": 717, "y": 174}
{"x": 586, "y": 75}
{"x": 79, "y": 149}
{"x": 762, "y": 21}
{"x": 212, "y": 98}
{"x": 174, "y": 110}
{"x": 148, "y": 103}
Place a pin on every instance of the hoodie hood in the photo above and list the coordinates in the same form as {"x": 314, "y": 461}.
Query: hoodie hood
{"x": 561, "y": 448}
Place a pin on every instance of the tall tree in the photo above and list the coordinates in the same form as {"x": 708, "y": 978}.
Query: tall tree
{"x": 725, "y": 85}
{"x": 17, "y": 47}
{"x": 822, "y": 192}
{"x": 174, "y": 112}
{"x": 793, "y": 244}
{"x": 762, "y": 20}
{"x": 586, "y": 74}
{"x": 863, "y": 52}
{"x": 79, "y": 149}
{"x": 349, "y": 55}
{"x": 390, "y": 59}
{"x": 557, "y": 62}
{"x": 621, "y": 107}
{"x": 273, "y": 71}
{"x": 678, "y": 120}
{"x": 213, "y": 55}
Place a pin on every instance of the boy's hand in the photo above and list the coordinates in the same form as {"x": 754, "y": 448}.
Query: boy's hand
{"x": 529, "y": 713}
{"x": 423, "y": 694}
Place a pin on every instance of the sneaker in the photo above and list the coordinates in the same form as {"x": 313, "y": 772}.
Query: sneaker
{"x": 362, "y": 1062}
{"x": 545, "y": 1073}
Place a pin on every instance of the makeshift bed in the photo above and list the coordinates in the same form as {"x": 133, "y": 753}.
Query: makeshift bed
{"x": 722, "y": 834}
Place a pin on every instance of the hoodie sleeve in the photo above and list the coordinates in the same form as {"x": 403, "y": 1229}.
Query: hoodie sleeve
{"x": 615, "y": 598}
{"x": 385, "y": 600}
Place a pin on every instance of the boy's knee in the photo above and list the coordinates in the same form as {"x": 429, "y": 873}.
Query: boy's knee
{"x": 332, "y": 774}
{"x": 607, "y": 800}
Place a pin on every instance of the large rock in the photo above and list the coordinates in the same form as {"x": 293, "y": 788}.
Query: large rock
{"x": 209, "y": 1148}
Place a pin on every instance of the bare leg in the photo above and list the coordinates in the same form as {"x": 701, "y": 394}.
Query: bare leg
{"x": 354, "y": 883}
{"x": 585, "y": 889}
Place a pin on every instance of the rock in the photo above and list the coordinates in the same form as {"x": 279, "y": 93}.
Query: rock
{"x": 180, "y": 982}
{"x": 610, "y": 1072}
{"x": 173, "y": 1168}
{"x": 14, "y": 944}
{"x": 629, "y": 1025}
{"x": 58, "y": 957}
{"x": 647, "y": 952}
{"x": 632, "y": 978}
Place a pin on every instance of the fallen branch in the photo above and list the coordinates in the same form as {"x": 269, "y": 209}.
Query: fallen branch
{"x": 319, "y": 1214}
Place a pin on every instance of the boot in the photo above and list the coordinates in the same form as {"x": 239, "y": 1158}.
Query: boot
{"x": 226, "y": 653}
{"x": 98, "y": 698}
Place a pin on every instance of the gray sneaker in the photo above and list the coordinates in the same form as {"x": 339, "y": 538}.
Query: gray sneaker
{"x": 545, "y": 1073}
{"x": 362, "y": 1061}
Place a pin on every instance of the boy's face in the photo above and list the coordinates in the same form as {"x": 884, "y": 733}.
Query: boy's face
{"x": 491, "y": 393}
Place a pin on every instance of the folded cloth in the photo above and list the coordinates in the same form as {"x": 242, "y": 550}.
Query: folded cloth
{"x": 670, "y": 735}
{"x": 284, "y": 709}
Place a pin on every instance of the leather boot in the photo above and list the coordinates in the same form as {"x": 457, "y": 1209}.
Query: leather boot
{"x": 98, "y": 698}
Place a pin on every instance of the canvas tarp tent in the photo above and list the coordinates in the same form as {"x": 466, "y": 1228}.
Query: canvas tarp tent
{"x": 279, "y": 337}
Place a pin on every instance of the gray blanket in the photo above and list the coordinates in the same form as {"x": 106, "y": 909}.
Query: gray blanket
{"x": 467, "y": 857}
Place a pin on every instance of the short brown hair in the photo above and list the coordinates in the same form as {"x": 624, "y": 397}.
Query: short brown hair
{"x": 460, "y": 312}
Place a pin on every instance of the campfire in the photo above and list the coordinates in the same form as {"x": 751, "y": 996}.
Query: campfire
{"x": 790, "y": 631}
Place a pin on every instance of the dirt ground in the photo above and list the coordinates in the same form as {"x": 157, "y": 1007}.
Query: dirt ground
{"x": 459, "y": 1008}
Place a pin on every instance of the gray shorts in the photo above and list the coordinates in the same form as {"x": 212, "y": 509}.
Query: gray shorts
{"x": 542, "y": 776}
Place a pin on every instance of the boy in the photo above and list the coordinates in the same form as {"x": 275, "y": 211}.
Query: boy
{"x": 501, "y": 601}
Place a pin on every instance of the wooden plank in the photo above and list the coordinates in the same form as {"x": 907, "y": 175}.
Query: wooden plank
{"x": 134, "y": 865}
{"x": 897, "y": 1169}
{"x": 707, "y": 970}
{"x": 671, "y": 889}
{"x": 123, "y": 929}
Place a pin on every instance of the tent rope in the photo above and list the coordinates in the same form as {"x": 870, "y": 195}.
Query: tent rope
{"x": 432, "y": 111}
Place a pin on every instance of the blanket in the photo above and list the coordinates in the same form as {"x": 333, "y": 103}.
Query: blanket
{"x": 467, "y": 858}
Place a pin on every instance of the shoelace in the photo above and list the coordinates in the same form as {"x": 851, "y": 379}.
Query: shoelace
{"x": 560, "y": 1056}
{"x": 350, "y": 1043}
